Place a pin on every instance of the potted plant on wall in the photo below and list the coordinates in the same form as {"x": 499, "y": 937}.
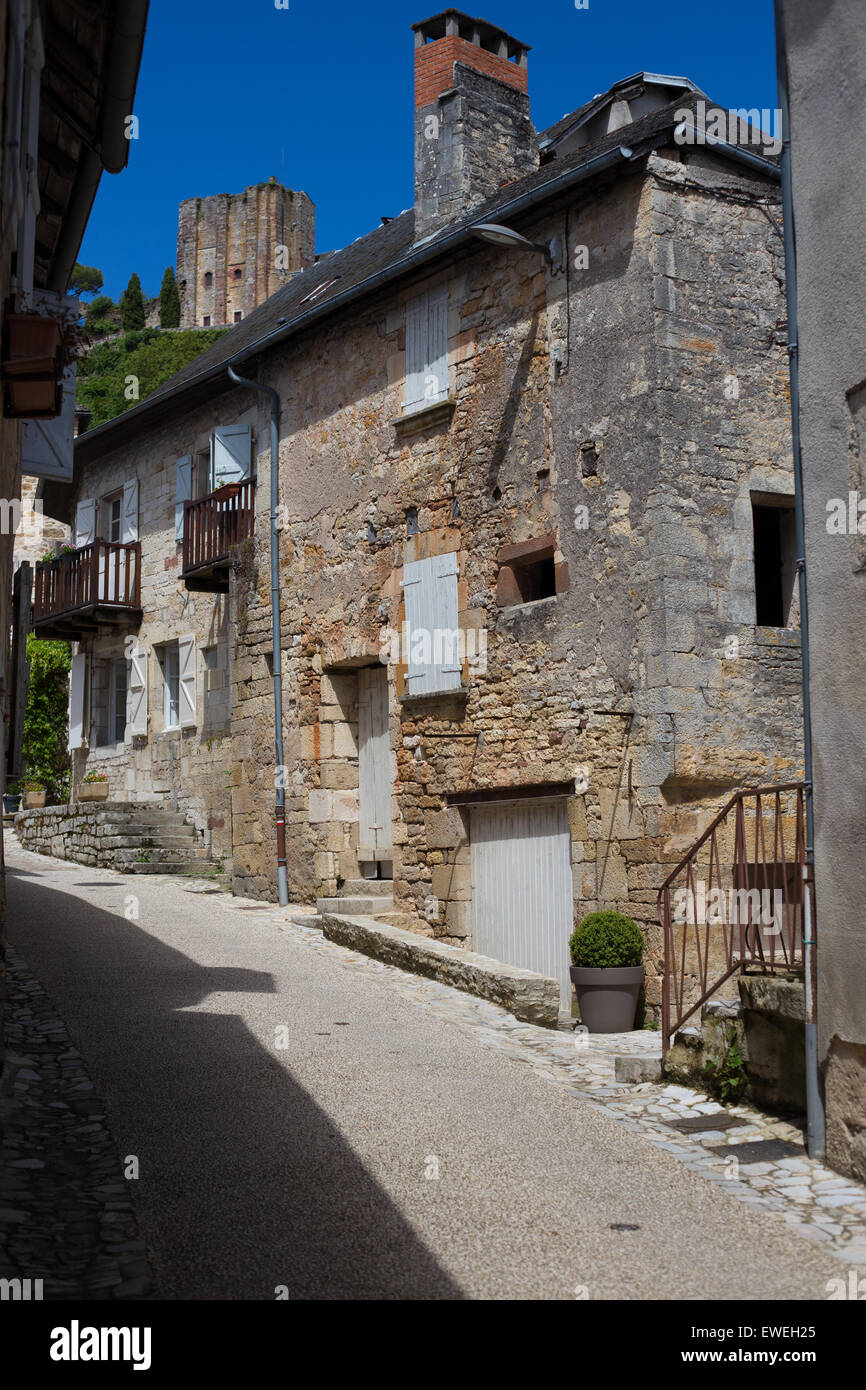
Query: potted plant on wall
{"x": 34, "y": 794}
{"x": 93, "y": 787}
{"x": 606, "y": 951}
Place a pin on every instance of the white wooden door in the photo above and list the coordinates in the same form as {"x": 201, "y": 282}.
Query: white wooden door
{"x": 522, "y": 895}
{"x": 374, "y": 765}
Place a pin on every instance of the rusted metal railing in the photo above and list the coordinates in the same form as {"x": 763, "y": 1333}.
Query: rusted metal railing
{"x": 102, "y": 574}
{"x": 212, "y": 525}
{"x": 735, "y": 902}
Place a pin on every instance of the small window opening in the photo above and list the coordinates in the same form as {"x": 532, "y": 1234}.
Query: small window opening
{"x": 411, "y": 521}
{"x": 237, "y": 315}
{"x": 206, "y": 321}
{"x": 208, "y": 279}
{"x": 535, "y": 578}
{"x": 775, "y": 563}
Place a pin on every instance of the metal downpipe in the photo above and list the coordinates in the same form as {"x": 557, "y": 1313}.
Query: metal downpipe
{"x": 814, "y": 1090}
{"x": 280, "y": 810}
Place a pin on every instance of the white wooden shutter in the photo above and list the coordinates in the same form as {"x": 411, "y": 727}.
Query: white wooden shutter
{"x": 187, "y": 682}
{"x": 77, "y": 687}
{"x": 85, "y": 522}
{"x": 136, "y": 695}
{"x": 418, "y": 599}
{"x": 129, "y": 514}
{"x": 231, "y": 451}
{"x": 416, "y": 350}
{"x": 46, "y": 445}
{"x": 182, "y": 492}
{"x": 446, "y": 632}
{"x": 436, "y": 372}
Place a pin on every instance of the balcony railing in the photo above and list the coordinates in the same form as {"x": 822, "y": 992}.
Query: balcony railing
{"x": 212, "y": 527}
{"x": 97, "y": 583}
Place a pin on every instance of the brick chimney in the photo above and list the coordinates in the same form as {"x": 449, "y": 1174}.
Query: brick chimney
{"x": 472, "y": 128}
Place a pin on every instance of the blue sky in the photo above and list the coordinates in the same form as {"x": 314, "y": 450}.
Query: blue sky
{"x": 321, "y": 96}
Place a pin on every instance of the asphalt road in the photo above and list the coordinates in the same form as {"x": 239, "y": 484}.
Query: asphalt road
{"x": 306, "y": 1165}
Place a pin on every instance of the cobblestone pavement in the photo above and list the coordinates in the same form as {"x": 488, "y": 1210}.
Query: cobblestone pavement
{"x": 816, "y": 1202}
{"x": 65, "y": 1211}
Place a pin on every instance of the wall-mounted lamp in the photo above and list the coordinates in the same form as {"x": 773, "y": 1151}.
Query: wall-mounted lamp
{"x": 498, "y": 235}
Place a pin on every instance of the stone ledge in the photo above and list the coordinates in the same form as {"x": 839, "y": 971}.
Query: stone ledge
{"x": 531, "y": 997}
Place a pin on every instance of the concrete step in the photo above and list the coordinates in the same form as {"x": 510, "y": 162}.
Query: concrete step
{"x": 367, "y": 888}
{"x": 138, "y": 854}
{"x": 355, "y": 907}
{"x": 184, "y": 870}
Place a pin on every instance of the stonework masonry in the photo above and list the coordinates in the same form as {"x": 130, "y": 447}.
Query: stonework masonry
{"x": 235, "y": 250}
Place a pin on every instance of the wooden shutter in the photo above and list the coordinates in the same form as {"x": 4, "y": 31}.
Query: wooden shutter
{"x": 46, "y": 445}
{"x": 416, "y": 350}
{"x": 77, "y": 688}
{"x": 85, "y": 522}
{"x": 374, "y": 765}
{"x": 231, "y": 451}
{"x": 129, "y": 513}
{"x": 417, "y": 596}
{"x": 446, "y": 631}
{"x": 187, "y": 681}
{"x": 436, "y": 372}
{"x": 182, "y": 492}
{"x": 136, "y": 695}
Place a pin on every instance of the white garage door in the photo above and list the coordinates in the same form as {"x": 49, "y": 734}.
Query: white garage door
{"x": 522, "y": 896}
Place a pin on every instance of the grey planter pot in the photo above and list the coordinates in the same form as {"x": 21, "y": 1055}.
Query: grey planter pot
{"x": 607, "y": 998}
{"x": 11, "y": 803}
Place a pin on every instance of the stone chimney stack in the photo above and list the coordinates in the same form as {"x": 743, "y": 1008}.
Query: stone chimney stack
{"x": 472, "y": 128}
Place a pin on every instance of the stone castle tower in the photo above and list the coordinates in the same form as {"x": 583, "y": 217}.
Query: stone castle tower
{"x": 235, "y": 249}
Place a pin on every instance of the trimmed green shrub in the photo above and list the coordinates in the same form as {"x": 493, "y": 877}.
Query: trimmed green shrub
{"x": 46, "y": 757}
{"x": 605, "y": 940}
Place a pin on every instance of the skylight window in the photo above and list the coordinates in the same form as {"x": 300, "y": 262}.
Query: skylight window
{"x": 319, "y": 290}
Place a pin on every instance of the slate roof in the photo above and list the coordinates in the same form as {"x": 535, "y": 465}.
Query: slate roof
{"x": 384, "y": 255}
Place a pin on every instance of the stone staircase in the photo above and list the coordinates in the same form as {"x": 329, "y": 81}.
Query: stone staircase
{"x": 361, "y": 897}
{"x": 148, "y": 837}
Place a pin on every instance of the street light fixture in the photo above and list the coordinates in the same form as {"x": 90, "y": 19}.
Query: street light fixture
{"x": 498, "y": 235}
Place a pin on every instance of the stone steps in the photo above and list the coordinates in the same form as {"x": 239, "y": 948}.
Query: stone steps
{"x": 360, "y": 897}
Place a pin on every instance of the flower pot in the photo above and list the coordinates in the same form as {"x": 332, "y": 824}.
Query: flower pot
{"x": 31, "y": 336}
{"x": 93, "y": 791}
{"x": 607, "y": 998}
{"x": 11, "y": 803}
{"x": 33, "y": 800}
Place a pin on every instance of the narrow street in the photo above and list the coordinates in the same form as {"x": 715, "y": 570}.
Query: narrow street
{"x": 313, "y": 1165}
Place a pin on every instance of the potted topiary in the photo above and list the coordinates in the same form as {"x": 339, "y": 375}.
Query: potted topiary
{"x": 93, "y": 787}
{"x": 607, "y": 974}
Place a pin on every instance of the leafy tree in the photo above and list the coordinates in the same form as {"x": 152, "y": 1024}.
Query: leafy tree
{"x": 86, "y": 279}
{"x": 132, "y": 305}
{"x": 149, "y": 355}
{"x": 46, "y": 757}
{"x": 102, "y": 317}
{"x": 169, "y": 301}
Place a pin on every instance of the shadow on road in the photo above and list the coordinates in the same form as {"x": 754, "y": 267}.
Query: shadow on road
{"x": 245, "y": 1183}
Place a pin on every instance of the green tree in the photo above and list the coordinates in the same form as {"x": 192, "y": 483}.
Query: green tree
{"x": 169, "y": 301}
{"x": 102, "y": 317}
{"x": 86, "y": 279}
{"x": 132, "y": 305}
{"x": 46, "y": 757}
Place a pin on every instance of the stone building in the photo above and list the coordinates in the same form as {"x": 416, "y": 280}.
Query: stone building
{"x": 534, "y": 540}
{"x": 234, "y": 250}
{"x": 825, "y": 57}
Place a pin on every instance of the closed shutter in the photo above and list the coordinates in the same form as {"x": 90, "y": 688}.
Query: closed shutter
{"x": 436, "y": 376}
{"x": 374, "y": 765}
{"x": 136, "y": 695}
{"x": 416, "y": 350}
{"x": 231, "y": 449}
{"x": 85, "y": 522}
{"x": 432, "y": 636}
{"x": 187, "y": 684}
{"x": 77, "y": 689}
{"x": 46, "y": 445}
{"x": 129, "y": 515}
{"x": 182, "y": 492}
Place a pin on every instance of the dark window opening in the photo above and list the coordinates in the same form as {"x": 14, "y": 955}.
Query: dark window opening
{"x": 237, "y": 315}
{"x": 535, "y": 578}
{"x": 411, "y": 521}
{"x": 238, "y": 274}
{"x": 775, "y": 564}
{"x": 206, "y": 321}
{"x": 208, "y": 279}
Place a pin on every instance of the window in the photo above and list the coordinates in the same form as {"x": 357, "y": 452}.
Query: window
{"x": 237, "y": 315}
{"x": 206, "y": 321}
{"x": 426, "y": 350}
{"x": 208, "y": 279}
{"x": 238, "y": 273}
{"x": 171, "y": 686}
{"x": 111, "y": 517}
{"x": 117, "y": 701}
{"x": 775, "y": 561}
{"x": 529, "y": 572}
{"x": 433, "y": 656}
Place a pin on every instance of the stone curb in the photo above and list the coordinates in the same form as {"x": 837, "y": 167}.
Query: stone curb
{"x": 528, "y": 996}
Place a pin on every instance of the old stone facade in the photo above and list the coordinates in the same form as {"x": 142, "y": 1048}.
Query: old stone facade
{"x": 568, "y": 477}
{"x": 234, "y": 250}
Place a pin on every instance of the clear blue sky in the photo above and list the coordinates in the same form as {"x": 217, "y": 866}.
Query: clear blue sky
{"x": 321, "y": 95}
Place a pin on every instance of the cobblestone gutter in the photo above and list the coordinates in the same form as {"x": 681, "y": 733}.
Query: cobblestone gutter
{"x": 66, "y": 1216}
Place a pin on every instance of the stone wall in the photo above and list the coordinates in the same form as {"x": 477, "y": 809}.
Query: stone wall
{"x": 82, "y": 833}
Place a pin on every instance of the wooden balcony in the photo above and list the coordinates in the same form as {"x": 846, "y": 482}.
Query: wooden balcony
{"x": 213, "y": 527}
{"x": 98, "y": 584}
